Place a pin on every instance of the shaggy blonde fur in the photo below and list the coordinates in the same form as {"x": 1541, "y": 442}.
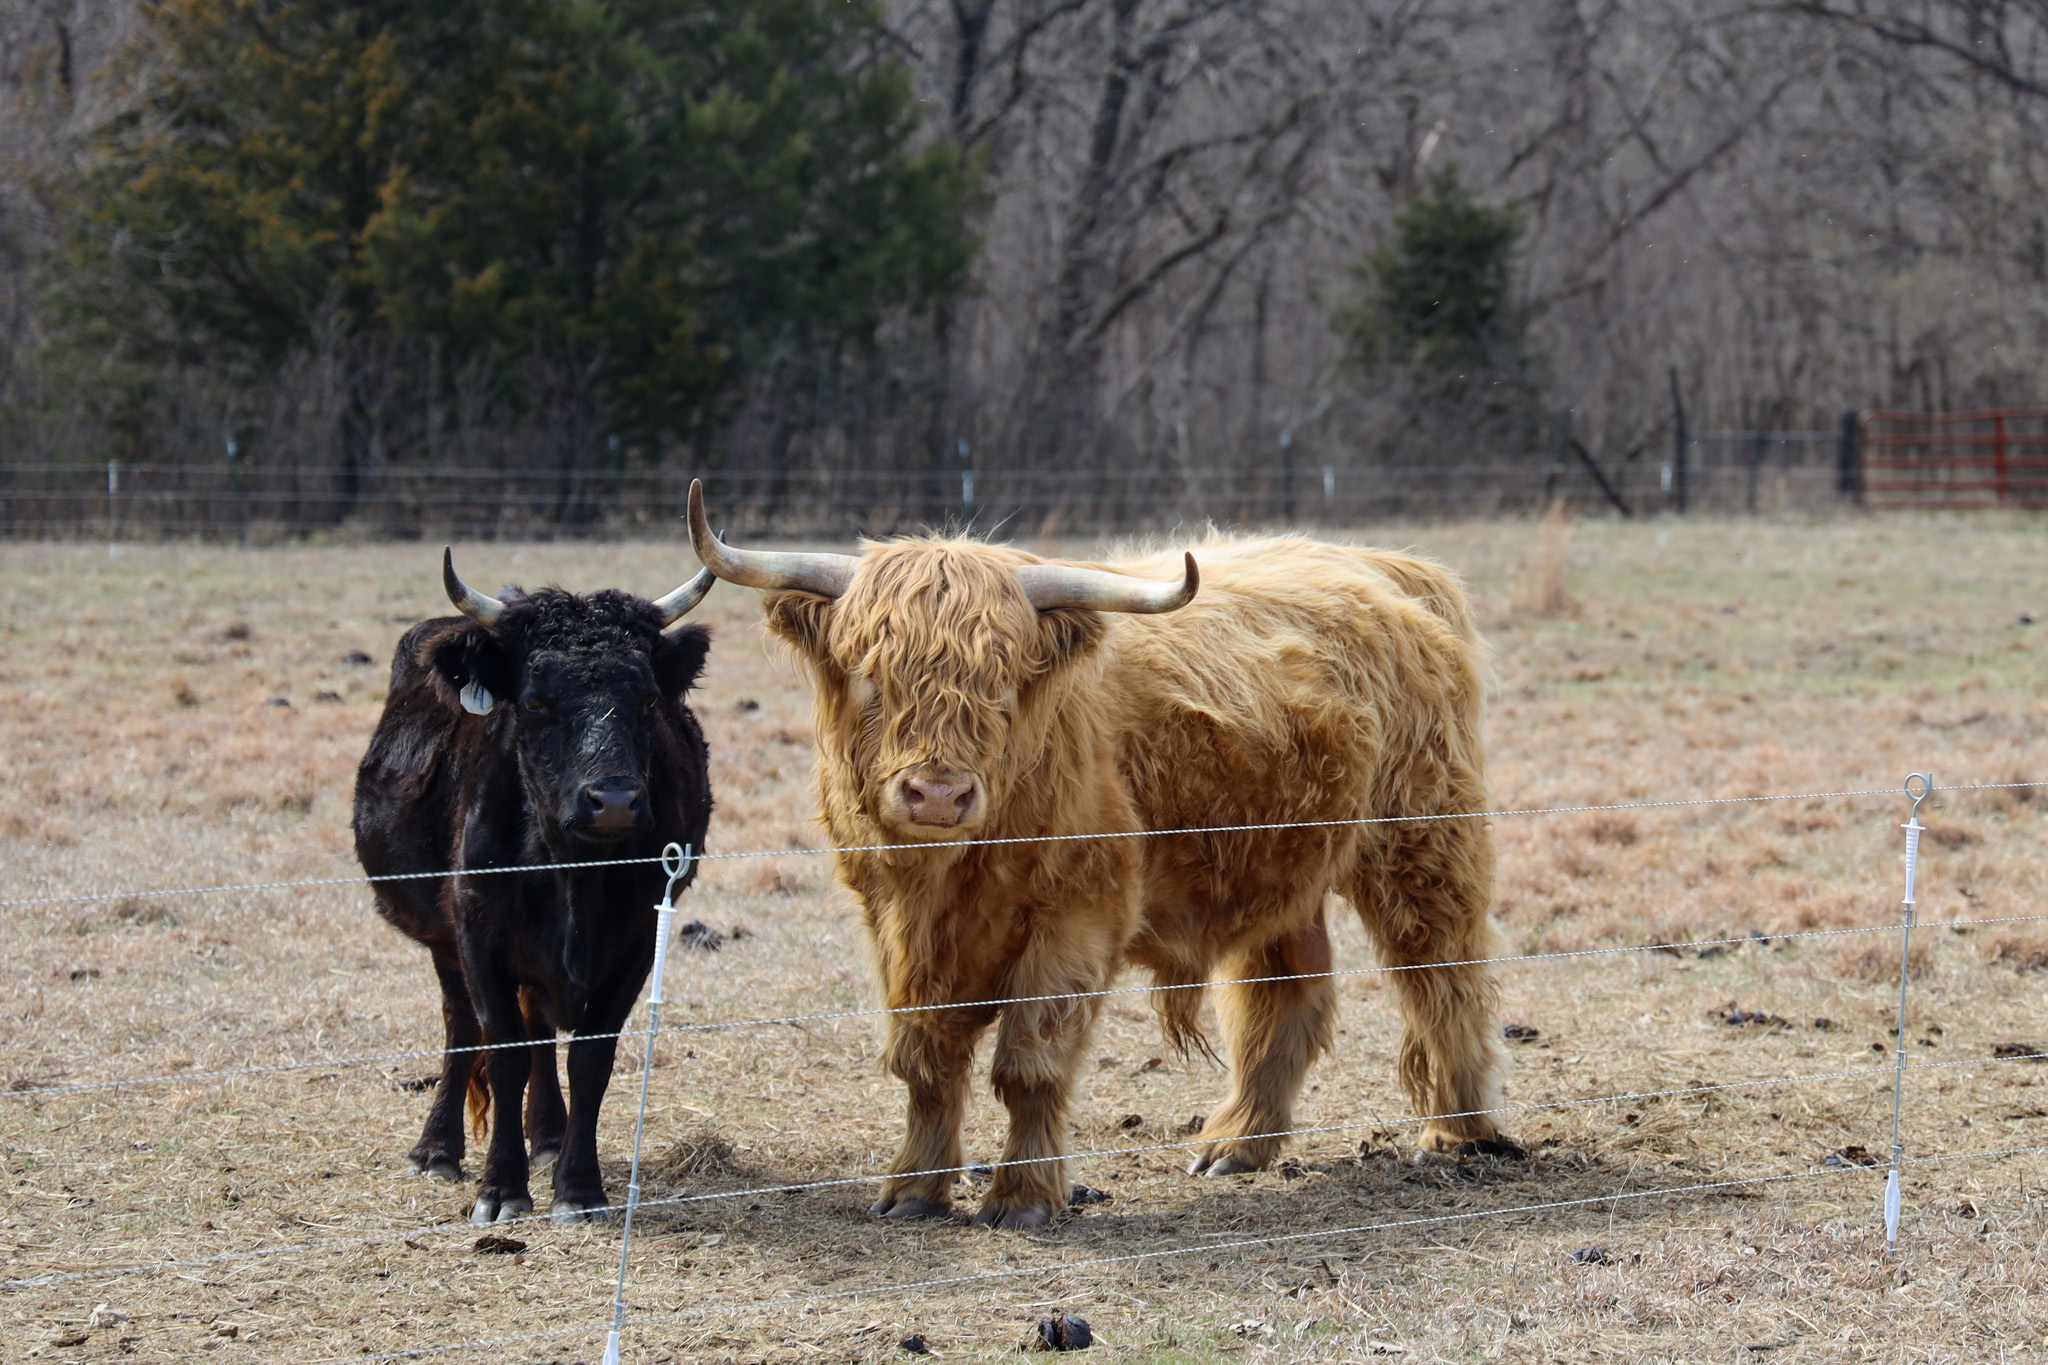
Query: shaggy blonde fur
{"x": 1306, "y": 682}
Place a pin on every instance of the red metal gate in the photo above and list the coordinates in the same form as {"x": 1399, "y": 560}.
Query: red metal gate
{"x": 1995, "y": 458}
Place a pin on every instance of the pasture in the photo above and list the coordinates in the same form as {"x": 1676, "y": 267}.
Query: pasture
{"x": 142, "y": 746}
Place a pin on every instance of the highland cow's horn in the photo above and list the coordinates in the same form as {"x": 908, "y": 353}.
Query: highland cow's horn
{"x": 824, "y": 575}
{"x": 477, "y": 606}
{"x": 677, "y": 604}
{"x": 1063, "y": 585}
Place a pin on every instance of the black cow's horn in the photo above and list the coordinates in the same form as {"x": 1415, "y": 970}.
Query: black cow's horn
{"x": 824, "y": 575}
{"x": 1063, "y": 585}
{"x": 677, "y": 604}
{"x": 480, "y": 607}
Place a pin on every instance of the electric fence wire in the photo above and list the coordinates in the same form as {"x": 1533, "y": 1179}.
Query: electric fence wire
{"x": 363, "y": 880}
{"x": 1676, "y": 947}
{"x": 798, "y": 1187}
{"x": 1162, "y": 1253}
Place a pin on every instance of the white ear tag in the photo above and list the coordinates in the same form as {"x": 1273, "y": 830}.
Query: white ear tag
{"x": 476, "y": 698}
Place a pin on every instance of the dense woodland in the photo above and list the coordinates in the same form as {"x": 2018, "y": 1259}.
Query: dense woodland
{"x": 1178, "y": 246}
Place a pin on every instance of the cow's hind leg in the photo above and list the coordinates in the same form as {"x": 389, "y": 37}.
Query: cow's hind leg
{"x": 547, "y": 1118}
{"x": 932, "y": 1053}
{"x": 1424, "y": 891}
{"x": 441, "y": 1145}
{"x": 1275, "y": 1030}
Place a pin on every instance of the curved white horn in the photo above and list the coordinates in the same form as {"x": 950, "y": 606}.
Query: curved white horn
{"x": 1063, "y": 585}
{"x": 677, "y": 604}
{"x": 480, "y": 607}
{"x": 824, "y": 575}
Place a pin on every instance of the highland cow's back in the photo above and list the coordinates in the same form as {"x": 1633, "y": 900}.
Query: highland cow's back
{"x": 1306, "y": 682}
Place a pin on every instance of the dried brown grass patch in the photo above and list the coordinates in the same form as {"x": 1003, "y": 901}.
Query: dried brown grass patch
{"x": 1878, "y": 962}
{"x": 1620, "y": 830}
{"x": 92, "y": 740}
{"x": 2020, "y": 952}
{"x": 695, "y": 1157}
{"x": 1541, "y": 590}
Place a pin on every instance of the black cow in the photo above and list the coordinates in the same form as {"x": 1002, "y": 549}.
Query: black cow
{"x": 548, "y": 727}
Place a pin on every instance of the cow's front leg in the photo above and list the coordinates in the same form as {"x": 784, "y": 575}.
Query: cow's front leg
{"x": 1037, "y": 1048}
{"x": 932, "y": 1053}
{"x": 503, "y": 1194}
{"x": 579, "y": 1184}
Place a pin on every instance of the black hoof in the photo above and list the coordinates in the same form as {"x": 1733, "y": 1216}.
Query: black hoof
{"x": 1505, "y": 1148}
{"x": 1013, "y": 1219}
{"x": 1220, "y": 1165}
{"x": 438, "y": 1167}
{"x": 909, "y": 1208}
{"x": 580, "y": 1210}
{"x": 499, "y": 1208}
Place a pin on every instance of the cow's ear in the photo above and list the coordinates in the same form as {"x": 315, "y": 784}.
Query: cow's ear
{"x": 473, "y": 661}
{"x": 679, "y": 658}
{"x": 802, "y": 620}
{"x": 1066, "y": 634}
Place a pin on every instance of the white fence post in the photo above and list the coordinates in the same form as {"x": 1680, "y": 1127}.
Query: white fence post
{"x": 1913, "y": 828}
{"x": 675, "y": 860}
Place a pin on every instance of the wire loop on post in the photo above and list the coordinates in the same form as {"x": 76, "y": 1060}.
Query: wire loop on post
{"x": 1913, "y": 828}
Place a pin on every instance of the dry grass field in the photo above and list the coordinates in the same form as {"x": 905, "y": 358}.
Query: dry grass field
{"x": 142, "y": 745}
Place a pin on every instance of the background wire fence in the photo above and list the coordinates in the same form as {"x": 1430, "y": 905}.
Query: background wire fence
{"x": 238, "y": 500}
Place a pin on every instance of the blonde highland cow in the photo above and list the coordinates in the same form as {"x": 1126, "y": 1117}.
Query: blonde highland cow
{"x": 969, "y": 692}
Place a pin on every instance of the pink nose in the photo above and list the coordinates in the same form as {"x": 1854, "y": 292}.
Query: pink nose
{"x": 932, "y": 802}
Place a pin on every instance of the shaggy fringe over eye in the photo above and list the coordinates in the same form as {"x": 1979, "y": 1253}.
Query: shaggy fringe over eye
{"x": 949, "y": 666}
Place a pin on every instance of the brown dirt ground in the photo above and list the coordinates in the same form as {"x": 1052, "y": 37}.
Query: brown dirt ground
{"x": 1703, "y": 659}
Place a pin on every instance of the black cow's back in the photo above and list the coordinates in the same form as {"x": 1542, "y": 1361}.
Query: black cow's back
{"x": 409, "y": 784}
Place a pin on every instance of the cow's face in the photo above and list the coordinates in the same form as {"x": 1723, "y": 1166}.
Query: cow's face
{"x": 933, "y": 669}
{"x": 589, "y": 687}
{"x": 938, "y": 664}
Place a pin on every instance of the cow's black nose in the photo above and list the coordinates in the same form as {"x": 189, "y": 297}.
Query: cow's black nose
{"x": 613, "y": 803}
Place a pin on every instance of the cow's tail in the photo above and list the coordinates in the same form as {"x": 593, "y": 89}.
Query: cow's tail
{"x": 479, "y": 1099}
{"x": 1179, "y": 1010}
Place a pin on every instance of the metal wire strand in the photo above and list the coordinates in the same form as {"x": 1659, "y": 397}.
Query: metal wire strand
{"x": 832, "y": 1016}
{"x": 980, "y": 843}
{"x": 459, "y": 1229}
{"x": 1163, "y": 1253}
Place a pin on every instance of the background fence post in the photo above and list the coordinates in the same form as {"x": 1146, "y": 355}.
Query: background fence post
{"x": 1287, "y": 474}
{"x": 1681, "y": 446}
{"x": 1757, "y": 440}
{"x": 1849, "y": 457}
{"x": 1998, "y": 465}
{"x": 966, "y": 482}
{"x": 113, "y": 531}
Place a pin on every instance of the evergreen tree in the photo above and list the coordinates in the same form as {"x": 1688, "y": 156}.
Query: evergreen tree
{"x": 620, "y": 196}
{"x": 1436, "y": 337}
{"x": 1437, "y": 292}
